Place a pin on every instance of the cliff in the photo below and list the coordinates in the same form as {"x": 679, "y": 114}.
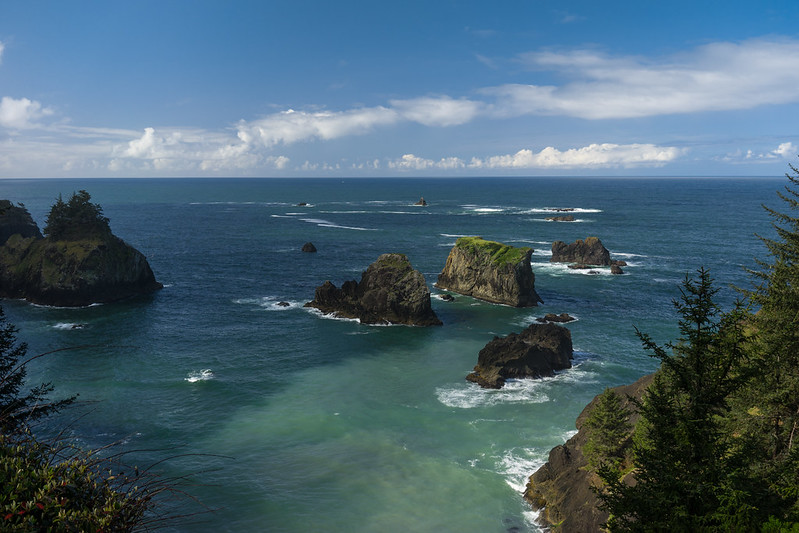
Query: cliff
{"x": 561, "y": 489}
{"x": 72, "y": 270}
{"x": 536, "y": 352}
{"x": 390, "y": 292}
{"x": 490, "y": 271}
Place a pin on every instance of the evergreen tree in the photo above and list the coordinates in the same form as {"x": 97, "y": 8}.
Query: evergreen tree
{"x": 76, "y": 219}
{"x": 679, "y": 449}
{"x": 17, "y": 408}
{"x": 608, "y": 432}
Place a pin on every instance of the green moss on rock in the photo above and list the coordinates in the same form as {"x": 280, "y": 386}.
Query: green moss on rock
{"x": 501, "y": 254}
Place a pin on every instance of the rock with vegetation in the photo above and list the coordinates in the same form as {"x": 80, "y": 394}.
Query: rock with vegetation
{"x": 561, "y": 489}
{"x": 490, "y": 271}
{"x": 15, "y": 220}
{"x": 562, "y": 218}
{"x": 390, "y": 292}
{"x": 77, "y": 263}
{"x": 536, "y": 352}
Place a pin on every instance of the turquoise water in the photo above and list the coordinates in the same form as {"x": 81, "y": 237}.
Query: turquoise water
{"x": 306, "y": 423}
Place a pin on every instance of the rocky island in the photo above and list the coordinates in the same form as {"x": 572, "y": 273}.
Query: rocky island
{"x": 390, "y": 292}
{"x": 490, "y": 271}
{"x": 536, "y": 352}
{"x": 585, "y": 254}
{"x": 77, "y": 263}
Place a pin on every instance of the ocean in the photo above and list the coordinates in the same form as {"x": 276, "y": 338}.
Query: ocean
{"x": 290, "y": 421}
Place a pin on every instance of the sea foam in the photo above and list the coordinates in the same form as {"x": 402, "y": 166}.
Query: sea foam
{"x": 200, "y": 375}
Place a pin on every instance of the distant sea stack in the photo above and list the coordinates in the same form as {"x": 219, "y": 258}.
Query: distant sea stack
{"x": 585, "y": 254}
{"x": 490, "y": 271}
{"x": 536, "y": 352}
{"x": 79, "y": 261}
{"x": 390, "y": 292}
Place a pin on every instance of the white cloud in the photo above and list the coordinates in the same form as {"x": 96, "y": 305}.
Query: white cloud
{"x": 441, "y": 111}
{"x": 412, "y": 162}
{"x": 292, "y": 126}
{"x": 714, "y": 77}
{"x": 786, "y": 150}
{"x": 592, "y": 156}
{"x": 21, "y": 113}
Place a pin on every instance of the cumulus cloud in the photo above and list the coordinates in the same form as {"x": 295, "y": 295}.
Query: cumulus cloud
{"x": 786, "y": 150}
{"x": 718, "y": 76}
{"x": 592, "y": 156}
{"x": 21, "y": 113}
{"x": 412, "y": 162}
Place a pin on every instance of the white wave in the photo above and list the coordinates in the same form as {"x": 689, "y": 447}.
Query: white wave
{"x": 353, "y": 212}
{"x": 625, "y": 254}
{"x": 519, "y": 464}
{"x": 201, "y": 375}
{"x": 543, "y": 253}
{"x": 282, "y": 216}
{"x": 451, "y": 235}
{"x": 327, "y": 224}
{"x": 69, "y": 325}
{"x": 270, "y": 303}
{"x": 561, "y": 269}
{"x": 469, "y": 396}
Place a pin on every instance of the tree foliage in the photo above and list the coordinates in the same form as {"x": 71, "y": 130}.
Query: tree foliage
{"x": 608, "y": 432}
{"x": 77, "y": 218}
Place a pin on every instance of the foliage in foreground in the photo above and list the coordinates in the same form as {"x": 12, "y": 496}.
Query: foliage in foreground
{"x": 716, "y": 446}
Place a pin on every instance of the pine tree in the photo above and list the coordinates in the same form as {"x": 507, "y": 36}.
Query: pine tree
{"x": 609, "y": 431}
{"x": 18, "y": 408}
{"x": 679, "y": 447}
{"x": 77, "y": 218}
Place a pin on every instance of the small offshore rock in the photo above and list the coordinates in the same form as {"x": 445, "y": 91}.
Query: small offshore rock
{"x": 283, "y": 304}
{"x": 447, "y": 297}
{"x": 308, "y": 247}
{"x": 552, "y": 317}
{"x": 615, "y": 269}
{"x": 590, "y": 251}
{"x": 302, "y": 204}
{"x": 421, "y": 202}
{"x": 564, "y": 218}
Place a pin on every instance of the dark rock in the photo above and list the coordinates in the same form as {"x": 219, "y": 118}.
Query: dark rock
{"x": 421, "y": 202}
{"x": 561, "y": 489}
{"x": 309, "y": 247}
{"x": 83, "y": 266}
{"x": 447, "y": 297}
{"x": 552, "y": 317}
{"x": 390, "y": 292}
{"x": 490, "y": 271}
{"x": 564, "y": 218}
{"x": 283, "y": 304}
{"x": 615, "y": 269}
{"x": 15, "y": 220}
{"x": 587, "y": 252}
{"x": 536, "y": 352}
{"x": 618, "y": 262}
{"x": 302, "y": 204}
{"x": 580, "y": 266}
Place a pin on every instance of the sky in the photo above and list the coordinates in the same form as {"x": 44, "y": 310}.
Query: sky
{"x": 307, "y": 88}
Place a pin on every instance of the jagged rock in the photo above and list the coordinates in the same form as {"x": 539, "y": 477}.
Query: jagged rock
{"x": 308, "y": 247}
{"x": 15, "y": 220}
{"x": 390, "y": 292}
{"x": 421, "y": 202}
{"x": 552, "y": 317}
{"x": 564, "y": 218}
{"x": 561, "y": 489}
{"x": 490, "y": 271}
{"x": 447, "y": 297}
{"x": 587, "y": 252}
{"x": 81, "y": 265}
{"x": 615, "y": 269}
{"x": 536, "y": 352}
{"x": 618, "y": 262}
{"x": 283, "y": 304}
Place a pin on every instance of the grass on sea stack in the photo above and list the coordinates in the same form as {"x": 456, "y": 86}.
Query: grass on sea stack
{"x": 501, "y": 254}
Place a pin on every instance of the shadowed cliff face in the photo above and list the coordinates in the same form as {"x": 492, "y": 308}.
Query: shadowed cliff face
{"x": 561, "y": 489}
{"x": 390, "y": 292}
{"x": 71, "y": 273}
{"x": 490, "y": 271}
{"x": 16, "y": 220}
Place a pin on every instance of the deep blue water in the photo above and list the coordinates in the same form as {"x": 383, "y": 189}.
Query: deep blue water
{"x": 329, "y": 425}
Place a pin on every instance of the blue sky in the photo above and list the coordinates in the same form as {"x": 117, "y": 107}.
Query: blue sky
{"x": 412, "y": 88}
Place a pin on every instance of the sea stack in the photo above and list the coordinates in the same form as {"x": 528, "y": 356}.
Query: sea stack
{"x": 490, "y": 271}
{"x": 536, "y": 352}
{"x": 79, "y": 261}
{"x": 390, "y": 292}
{"x": 591, "y": 251}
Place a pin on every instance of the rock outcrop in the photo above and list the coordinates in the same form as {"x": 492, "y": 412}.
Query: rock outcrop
{"x": 536, "y": 352}
{"x": 490, "y": 271}
{"x": 564, "y": 218}
{"x": 308, "y": 247}
{"x": 421, "y": 202}
{"x": 390, "y": 292}
{"x": 552, "y": 317}
{"x": 73, "y": 270}
{"x": 587, "y": 252}
{"x": 15, "y": 220}
{"x": 561, "y": 489}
